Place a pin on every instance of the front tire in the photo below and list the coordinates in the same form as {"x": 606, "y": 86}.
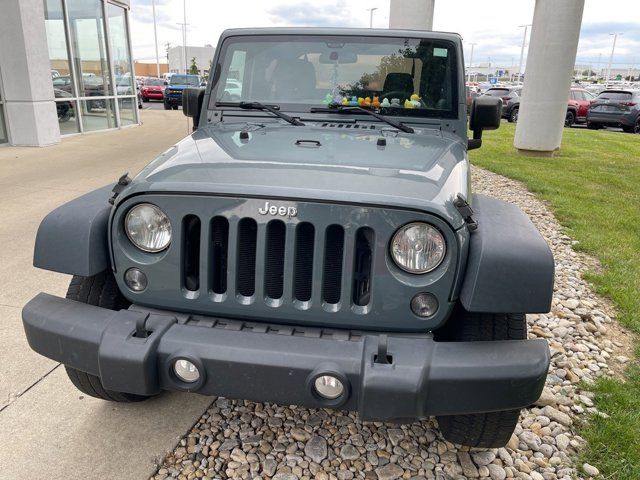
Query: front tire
{"x": 593, "y": 126}
{"x": 635, "y": 128}
{"x": 513, "y": 116}
{"x": 100, "y": 290}
{"x": 483, "y": 430}
{"x": 167, "y": 106}
{"x": 569, "y": 119}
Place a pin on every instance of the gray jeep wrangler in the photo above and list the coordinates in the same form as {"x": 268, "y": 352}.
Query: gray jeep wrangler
{"x": 315, "y": 241}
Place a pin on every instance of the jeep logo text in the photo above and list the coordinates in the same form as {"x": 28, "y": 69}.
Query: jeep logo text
{"x": 276, "y": 210}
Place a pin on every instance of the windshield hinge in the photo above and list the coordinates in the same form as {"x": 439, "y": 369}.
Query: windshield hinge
{"x": 123, "y": 181}
{"x": 466, "y": 211}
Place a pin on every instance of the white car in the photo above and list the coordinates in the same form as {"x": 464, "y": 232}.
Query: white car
{"x": 234, "y": 88}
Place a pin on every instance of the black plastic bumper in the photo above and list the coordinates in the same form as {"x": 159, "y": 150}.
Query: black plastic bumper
{"x": 424, "y": 378}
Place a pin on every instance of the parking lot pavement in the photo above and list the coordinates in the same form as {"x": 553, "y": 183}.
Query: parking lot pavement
{"x": 154, "y": 105}
{"x": 48, "y": 428}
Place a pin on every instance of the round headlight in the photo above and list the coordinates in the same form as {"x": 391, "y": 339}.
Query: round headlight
{"x": 148, "y": 228}
{"x": 418, "y": 248}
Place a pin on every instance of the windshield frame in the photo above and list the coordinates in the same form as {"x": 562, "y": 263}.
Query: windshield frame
{"x": 304, "y": 108}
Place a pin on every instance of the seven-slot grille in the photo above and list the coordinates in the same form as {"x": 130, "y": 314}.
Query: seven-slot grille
{"x": 277, "y": 261}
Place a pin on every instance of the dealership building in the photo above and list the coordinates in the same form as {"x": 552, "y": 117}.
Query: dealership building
{"x": 65, "y": 68}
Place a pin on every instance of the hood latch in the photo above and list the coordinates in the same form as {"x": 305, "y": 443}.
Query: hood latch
{"x": 466, "y": 211}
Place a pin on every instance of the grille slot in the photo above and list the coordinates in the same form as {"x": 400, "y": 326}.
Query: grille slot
{"x": 363, "y": 259}
{"x": 303, "y": 266}
{"x": 332, "y": 270}
{"x": 219, "y": 254}
{"x": 274, "y": 259}
{"x": 246, "y": 263}
{"x": 191, "y": 252}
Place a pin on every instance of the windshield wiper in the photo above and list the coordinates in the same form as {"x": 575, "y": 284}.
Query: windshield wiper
{"x": 347, "y": 109}
{"x": 262, "y": 106}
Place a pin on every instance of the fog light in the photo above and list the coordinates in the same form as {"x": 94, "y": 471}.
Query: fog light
{"x": 135, "y": 279}
{"x": 424, "y": 305}
{"x": 329, "y": 387}
{"x": 186, "y": 371}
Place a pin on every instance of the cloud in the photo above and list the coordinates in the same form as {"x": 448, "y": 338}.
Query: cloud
{"x": 313, "y": 14}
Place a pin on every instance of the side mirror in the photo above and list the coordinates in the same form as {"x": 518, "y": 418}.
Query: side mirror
{"x": 486, "y": 113}
{"x": 192, "y": 98}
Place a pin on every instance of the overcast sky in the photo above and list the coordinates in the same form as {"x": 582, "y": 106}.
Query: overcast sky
{"x": 493, "y": 25}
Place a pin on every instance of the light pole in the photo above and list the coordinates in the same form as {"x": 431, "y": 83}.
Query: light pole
{"x": 598, "y": 67}
{"x": 155, "y": 36}
{"x": 470, "y": 62}
{"x": 371, "y": 10}
{"x": 524, "y": 40}
{"x": 613, "y": 49}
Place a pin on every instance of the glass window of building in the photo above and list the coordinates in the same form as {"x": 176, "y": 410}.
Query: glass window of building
{"x": 61, "y": 74}
{"x": 91, "y": 66}
{"x": 4, "y": 138}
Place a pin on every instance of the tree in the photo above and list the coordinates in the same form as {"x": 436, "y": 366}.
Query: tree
{"x": 193, "y": 69}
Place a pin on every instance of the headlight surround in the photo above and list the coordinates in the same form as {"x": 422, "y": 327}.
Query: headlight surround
{"x": 148, "y": 228}
{"x": 418, "y": 248}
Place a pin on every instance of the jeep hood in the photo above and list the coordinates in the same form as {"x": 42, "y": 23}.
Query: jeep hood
{"x": 422, "y": 171}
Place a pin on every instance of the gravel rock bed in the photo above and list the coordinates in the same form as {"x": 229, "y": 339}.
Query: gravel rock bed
{"x": 246, "y": 440}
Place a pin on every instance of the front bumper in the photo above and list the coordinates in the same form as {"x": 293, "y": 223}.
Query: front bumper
{"x": 267, "y": 363}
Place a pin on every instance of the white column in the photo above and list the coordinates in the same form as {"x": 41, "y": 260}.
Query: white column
{"x": 552, "y": 55}
{"x": 26, "y": 75}
{"x": 412, "y": 14}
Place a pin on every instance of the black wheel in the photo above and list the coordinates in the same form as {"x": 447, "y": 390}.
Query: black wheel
{"x": 167, "y": 106}
{"x": 483, "y": 430}
{"x": 145, "y": 99}
{"x": 175, "y": 107}
{"x": 100, "y": 290}
{"x": 635, "y": 128}
{"x": 593, "y": 126}
{"x": 569, "y": 119}
{"x": 513, "y": 116}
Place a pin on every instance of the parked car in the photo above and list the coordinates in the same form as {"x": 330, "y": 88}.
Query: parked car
{"x": 297, "y": 250}
{"x": 471, "y": 95}
{"x": 152, "y": 89}
{"x": 173, "y": 90}
{"x": 577, "y": 107}
{"x": 616, "y": 108}
{"x": 579, "y": 102}
{"x": 65, "y": 109}
{"x": 234, "y": 88}
{"x": 510, "y": 100}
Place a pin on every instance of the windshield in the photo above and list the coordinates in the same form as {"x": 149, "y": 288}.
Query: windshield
{"x": 155, "y": 82}
{"x": 184, "y": 80}
{"x": 402, "y": 76}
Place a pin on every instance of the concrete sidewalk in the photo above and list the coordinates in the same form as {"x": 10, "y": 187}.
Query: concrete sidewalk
{"x": 48, "y": 428}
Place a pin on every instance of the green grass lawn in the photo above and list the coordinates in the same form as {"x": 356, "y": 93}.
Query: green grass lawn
{"x": 593, "y": 186}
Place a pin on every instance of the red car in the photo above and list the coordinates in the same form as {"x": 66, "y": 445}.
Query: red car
{"x": 152, "y": 89}
{"x": 579, "y": 102}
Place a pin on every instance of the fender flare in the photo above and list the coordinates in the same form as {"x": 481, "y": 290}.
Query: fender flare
{"x": 73, "y": 239}
{"x": 510, "y": 268}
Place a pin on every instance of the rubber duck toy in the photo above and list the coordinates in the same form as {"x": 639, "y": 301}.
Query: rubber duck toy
{"x": 408, "y": 104}
{"x": 375, "y": 102}
{"x": 354, "y": 101}
{"x": 345, "y": 101}
{"x": 367, "y": 102}
{"x": 385, "y": 103}
{"x": 416, "y": 100}
{"x": 360, "y": 101}
{"x": 395, "y": 102}
{"x": 328, "y": 99}
{"x": 338, "y": 99}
